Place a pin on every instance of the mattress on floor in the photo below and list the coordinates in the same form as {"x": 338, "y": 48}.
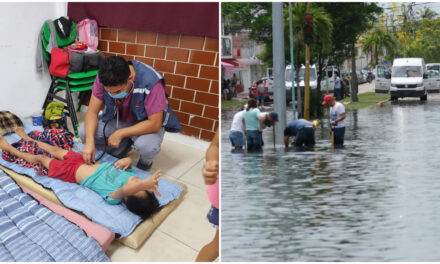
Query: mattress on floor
{"x": 140, "y": 233}
{"x": 32, "y": 232}
{"x": 99, "y": 233}
{"x": 116, "y": 218}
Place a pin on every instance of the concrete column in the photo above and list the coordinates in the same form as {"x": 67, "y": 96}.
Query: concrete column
{"x": 279, "y": 70}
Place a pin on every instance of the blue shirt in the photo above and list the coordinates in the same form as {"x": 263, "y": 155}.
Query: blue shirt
{"x": 251, "y": 119}
{"x": 338, "y": 83}
{"x": 107, "y": 179}
{"x": 293, "y": 127}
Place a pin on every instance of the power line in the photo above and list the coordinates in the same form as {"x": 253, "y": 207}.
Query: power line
{"x": 411, "y": 3}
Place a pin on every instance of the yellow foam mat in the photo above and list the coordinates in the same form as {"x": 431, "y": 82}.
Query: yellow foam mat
{"x": 141, "y": 233}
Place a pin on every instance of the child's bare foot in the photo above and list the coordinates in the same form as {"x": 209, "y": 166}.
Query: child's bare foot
{"x": 20, "y": 131}
{"x": 3, "y": 143}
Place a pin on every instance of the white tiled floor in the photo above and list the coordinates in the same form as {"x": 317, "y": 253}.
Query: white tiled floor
{"x": 185, "y": 231}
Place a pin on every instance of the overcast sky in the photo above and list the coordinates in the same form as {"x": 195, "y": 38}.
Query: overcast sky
{"x": 418, "y": 6}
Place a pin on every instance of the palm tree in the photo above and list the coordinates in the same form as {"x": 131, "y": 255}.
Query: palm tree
{"x": 375, "y": 41}
{"x": 322, "y": 25}
{"x": 322, "y": 36}
{"x": 428, "y": 13}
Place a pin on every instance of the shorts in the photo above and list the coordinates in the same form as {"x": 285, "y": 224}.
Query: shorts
{"x": 213, "y": 216}
{"x": 236, "y": 138}
{"x": 65, "y": 170}
{"x": 260, "y": 98}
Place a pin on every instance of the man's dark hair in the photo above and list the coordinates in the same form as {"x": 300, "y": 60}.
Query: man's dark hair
{"x": 114, "y": 71}
{"x": 144, "y": 207}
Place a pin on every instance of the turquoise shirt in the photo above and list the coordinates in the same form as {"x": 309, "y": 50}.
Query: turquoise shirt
{"x": 251, "y": 119}
{"x": 107, "y": 179}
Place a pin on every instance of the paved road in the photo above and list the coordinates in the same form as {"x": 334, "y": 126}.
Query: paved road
{"x": 374, "y": 200}
{"x": 366, "y": 87}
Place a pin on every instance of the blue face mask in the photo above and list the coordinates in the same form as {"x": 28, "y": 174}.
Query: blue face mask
{"x": 121, "y": 95}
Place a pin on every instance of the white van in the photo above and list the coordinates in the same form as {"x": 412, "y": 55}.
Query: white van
{"x": 433, "y": 71}
{"x": 330, "y": 73}
{"x": 407, "y": 78}
{"x": 382, "y": 84}
{"x": 313, "y": 82}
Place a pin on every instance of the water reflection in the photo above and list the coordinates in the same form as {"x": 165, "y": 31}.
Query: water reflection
{"x": 376, "y": 199}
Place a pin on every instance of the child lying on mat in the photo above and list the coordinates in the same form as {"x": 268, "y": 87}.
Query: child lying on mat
{"x": 113, "y": 183}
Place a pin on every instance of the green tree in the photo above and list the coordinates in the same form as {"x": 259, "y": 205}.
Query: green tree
{"x": 428, "y": 13}
{"x": 426, "y": 43}
{"x": 375, "y": 41}
{"x": 257, "y": 18}
{"x": 350, "y": 21}
{"x": 320, "y": 49}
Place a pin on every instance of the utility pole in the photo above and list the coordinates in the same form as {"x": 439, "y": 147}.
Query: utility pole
{"x": 326, "y": 78}
{"x": 279, "y": 68}
{"x": 309, "y": 20}
{"x": 292, "y": 61}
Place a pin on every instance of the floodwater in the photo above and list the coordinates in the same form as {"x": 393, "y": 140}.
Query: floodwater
{"x": 377, "y": 199}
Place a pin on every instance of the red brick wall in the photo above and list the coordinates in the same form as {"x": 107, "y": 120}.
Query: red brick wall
{"x": 189, "y": 65}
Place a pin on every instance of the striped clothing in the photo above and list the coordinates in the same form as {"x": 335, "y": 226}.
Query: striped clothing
{"x": 31, "y": 232}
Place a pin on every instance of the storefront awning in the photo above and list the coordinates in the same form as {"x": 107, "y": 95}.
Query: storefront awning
{"x": 227, "y": 68}
{"x": 232, "y": 62}
{"x": 226, "y": 64}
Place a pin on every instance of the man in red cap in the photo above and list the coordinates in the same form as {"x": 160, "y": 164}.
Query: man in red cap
{"x": 337, "y": 117}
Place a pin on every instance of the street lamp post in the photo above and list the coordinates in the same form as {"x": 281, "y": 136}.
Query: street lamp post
{"x": 292, "y": 62}
{"x": 308, "y": 38}
{"x": 279, "y": 68}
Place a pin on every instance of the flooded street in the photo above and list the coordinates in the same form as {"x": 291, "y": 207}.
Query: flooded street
{"x": 377, "y": 199}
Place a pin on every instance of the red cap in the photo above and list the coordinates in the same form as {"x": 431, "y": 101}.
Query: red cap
{"x": 327, "y": 99}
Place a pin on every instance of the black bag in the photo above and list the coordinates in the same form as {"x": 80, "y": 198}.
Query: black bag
{"x": 77, "y": 62}
{"x": 84, "y": 62}
{"x": 92, "y": 61}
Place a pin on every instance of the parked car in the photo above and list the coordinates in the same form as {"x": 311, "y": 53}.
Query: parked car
{"x": 345, "y": 75}
{"x": 433, "y": 82}
{"x": 433, "y": 66}
{"x": 330, "y": 73}
{"x": 382, "y": 85}
{"x": 360, "y": 77}
{"x": 266, "y": 83}
{"x": 365, "y": 74}
{"x": 433, "y": 70}
{"x": 313, "y": 81}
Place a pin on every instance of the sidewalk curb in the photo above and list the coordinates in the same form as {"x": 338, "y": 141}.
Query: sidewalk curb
{"x": 383, "y": 102}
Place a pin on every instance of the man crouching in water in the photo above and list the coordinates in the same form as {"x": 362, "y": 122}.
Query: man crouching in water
{"x": 303, "y": 131}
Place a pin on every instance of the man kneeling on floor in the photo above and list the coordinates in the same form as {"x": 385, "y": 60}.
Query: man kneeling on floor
{"x": 113, "y": 182}
{"x": 303, "y": 131}
{"x": 134, "y": 98}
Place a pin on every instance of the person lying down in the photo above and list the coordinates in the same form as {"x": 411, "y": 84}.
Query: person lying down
{"x": 113, "y": 182}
